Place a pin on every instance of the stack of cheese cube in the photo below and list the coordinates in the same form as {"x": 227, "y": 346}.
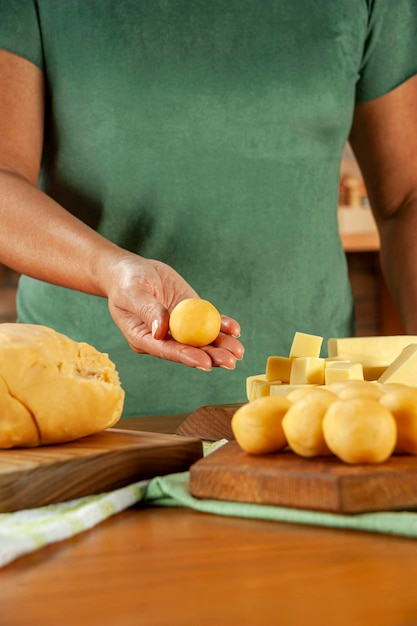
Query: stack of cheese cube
{"x": 381, "y": 359}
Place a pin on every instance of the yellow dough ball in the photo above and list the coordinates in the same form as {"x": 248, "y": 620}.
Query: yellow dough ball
{"x": 338, "y": 386}
{"x": 257, "y": 425}
{"x": 390, "y": 386}
{"x": 402, "y": 402}
{"x": 360, "y": 430}
{"x": 360, "y": 389}
{"x": 297, "y": 394}
{"x": 195, "y": 322}
{"x": 302, "y": 423}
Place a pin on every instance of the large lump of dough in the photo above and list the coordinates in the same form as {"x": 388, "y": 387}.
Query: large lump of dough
{"x": 53, "y": 389}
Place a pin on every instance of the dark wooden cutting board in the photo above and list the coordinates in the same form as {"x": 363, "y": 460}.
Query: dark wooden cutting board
{"x": 322, "y": 484}
{"x": 209, "y": 423}
{"x": 35, "y": 477}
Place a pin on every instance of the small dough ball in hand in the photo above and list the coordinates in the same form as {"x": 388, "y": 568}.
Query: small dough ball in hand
{"x": 302, "y": 423}
{"x": 360, "y": 430}
{"x": 195, "y": 322}
{"x": 257, "y": 425}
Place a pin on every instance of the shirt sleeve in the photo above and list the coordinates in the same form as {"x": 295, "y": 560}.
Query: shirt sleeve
{"x": 390, "y": 51}
{"x": 20, "y": 31}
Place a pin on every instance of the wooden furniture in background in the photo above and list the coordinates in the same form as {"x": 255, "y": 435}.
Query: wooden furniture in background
{"x": 360, "y": 242}
{"x": 375, "y": 310}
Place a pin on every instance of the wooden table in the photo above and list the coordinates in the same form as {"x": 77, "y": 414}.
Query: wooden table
{"x": 174, "y": 567}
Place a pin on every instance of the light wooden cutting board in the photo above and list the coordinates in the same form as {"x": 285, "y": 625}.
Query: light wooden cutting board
{"x": 288, "y": 480}
{"x": 35, "y": 477}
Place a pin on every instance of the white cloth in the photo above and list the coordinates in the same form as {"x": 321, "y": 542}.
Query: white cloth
{"x": 26, "y": 531}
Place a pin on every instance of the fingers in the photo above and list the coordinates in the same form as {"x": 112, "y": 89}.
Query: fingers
{"x": 229, "y": 344}
{"x": 230, "y": 326}
{"x": 160, "y": 324}
{"x": 225, "y": 351}
{"x": 154, "y": 315}
{"x": 171, "y": 350}
{"x": 151, "y": 313}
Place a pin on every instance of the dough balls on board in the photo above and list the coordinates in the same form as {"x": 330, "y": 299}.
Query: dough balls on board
{"x": 257, "y": 425}
{"x": 360, "y": 430}
{"x": 302, "y": 423}
{"x": 53, "y": 389}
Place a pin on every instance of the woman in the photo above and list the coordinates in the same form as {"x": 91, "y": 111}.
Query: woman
{"x": 155, "y": 150}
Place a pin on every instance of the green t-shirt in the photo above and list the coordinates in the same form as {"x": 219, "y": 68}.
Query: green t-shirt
{"x": 208, "y": 134}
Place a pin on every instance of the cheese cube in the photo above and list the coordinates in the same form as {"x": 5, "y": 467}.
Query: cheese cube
{"x": 250, "y": 380}
{"x": 403, "y": 369}
{"x": 335, "y": 359}
{"x": 278, "y": 368}
{"x": 260, "y": 389}
{"x": 284, "y": 389}
{"x": 336, "y": 372}
{"x": 375, "y": 353}
{"x": 306, "y": 345}
{"x": 307, "y": 370}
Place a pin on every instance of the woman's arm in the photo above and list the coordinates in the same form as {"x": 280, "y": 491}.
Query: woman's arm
{"x": 38, "y": 237}
{"x": 41, "y": 239}
{"x": 384, "y": 140}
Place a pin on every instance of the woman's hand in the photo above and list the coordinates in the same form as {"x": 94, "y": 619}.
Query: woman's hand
{"x": 141, "y": 295}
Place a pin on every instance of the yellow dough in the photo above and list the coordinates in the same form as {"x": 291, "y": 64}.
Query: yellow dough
{"x": 17, "y": 427}
{"x": 53, "y": 389}
{"x": 302, "y": 423}
{"x": 360, "y": 430}
{"x": 257, "y": 425}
